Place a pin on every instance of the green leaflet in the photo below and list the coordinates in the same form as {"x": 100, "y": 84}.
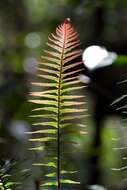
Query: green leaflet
{"x": 51, "y": 116}
{"x": 62, "y": 172}
{"x": 67, "y": 125}
{"x": 44, "y": 84}
{"x": 51, "y": 71}
{"x": 7, "y": 185}
{"x": 71, "y": 47}
{"x": 37, "y": 148}
{"x": 65, "y": 181}
{"x": 72, "y": 66}
{"x": 71, "y": 58}
{"x": 57, "y": 42}
{"x": 59, "y": 102}
{"x": 72, "y": 103}
{"x": 6, "y": 180}
{"x": 69, "y": 181}
{"x": 71, "y": 73}
{"x": 51, "y": 59}
{"x": 49, "y": 109}
{"x": 2, "y": 188}
{"x": 69, "y": 79}
{"x": 70, "y": 97}
{"x": 65, "y": 118}
{"x": 49, "y": 164}
{"x": 52, "y": 124}
{"x": 72, "y": 88}
{"x": 70, "y": 83}
{"x": 72, "y": 110}
{"x": 51, "y": 174}
{"x": 54, "y": 47}
{"x": 67, "y": 172}
{"x": 53, "y": 183}
{"x": 6, "y": 175}
{"x": 119, "y": 99}
{"x": 44, "y": 102}
{"x": 43, "y": 139}
{"x": 48, "y": 131}
{"x": 72, "y": 53}
{"x": 53, "y": 53}
{"x": 49, "y": 77}
{"x": 47, "y": 94}
{"x": 49, "y": 65}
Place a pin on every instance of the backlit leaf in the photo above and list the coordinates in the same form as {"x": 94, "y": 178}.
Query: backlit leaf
{"x": 42, "y": 139}
{"x": 69, "y": 181}
{"x": 59, "y": 102}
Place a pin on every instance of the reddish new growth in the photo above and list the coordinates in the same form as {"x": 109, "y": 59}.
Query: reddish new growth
{"x": 67, "y": 20}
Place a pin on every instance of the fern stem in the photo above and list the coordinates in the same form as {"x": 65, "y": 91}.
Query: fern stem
{"x": 58, "y": 132}
{"x": 58, "y": 144}
{"x": 59, "y": 109}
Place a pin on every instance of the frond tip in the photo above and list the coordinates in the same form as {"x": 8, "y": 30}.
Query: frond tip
{"x": 58, "y": 97}
{"x": 67, "y": 20}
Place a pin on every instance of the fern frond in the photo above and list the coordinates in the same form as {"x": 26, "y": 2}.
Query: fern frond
{"x": 8, "y": 179}
{"x": 58, "y": 99}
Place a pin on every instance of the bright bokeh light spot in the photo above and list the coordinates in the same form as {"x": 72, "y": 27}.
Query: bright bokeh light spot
{"x": 30, "y": 64}
{"x": 84, "y": 78}
{"x": 96, "y": 56}
{"x": 32, "y": 40}
{"x": 96, "y": 187}
{"x": 18, "y": 129}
